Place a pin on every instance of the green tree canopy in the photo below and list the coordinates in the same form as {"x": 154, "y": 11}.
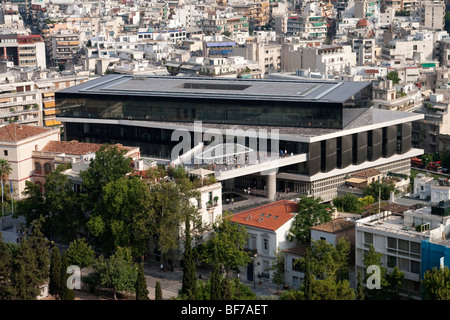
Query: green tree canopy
{"x": 80, "y": 253}
{"x": 227, "y": 241}
{"x": 347, "y": 203}
{"x": 393, "y": 75}
{"x": 436, "y": 284}
{"x": 124, "y": 216}
{"x": 109, "y": 164}
{"x": 311, "y": 212}
{"x": 385, "y": 187}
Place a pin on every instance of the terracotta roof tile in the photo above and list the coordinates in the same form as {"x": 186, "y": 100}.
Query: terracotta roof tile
{"x": 17, "y": 132}
{"x": 299, "y": 250}
{"x": 335, "y": 226}
{"x": 270, "y": 216}
{"x": 76, "y": 148}
{"x": 372, "y": 172}
{"x": 71, "y": 147}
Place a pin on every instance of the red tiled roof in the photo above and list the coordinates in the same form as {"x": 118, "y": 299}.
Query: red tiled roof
{"x": 71, "y": 147}
{"x": 367, "y": 173}
{"x": 335, "y": 226}
{"x": 270, "y": 216}
{"x": 17, "y": 132}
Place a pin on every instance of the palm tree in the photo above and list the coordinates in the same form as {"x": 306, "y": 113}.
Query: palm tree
{"x": 5, "y": 171}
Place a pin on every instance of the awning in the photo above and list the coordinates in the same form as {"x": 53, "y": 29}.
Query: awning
{"x": 49, "y": 94}
{"x": 49, "y": 104}
{"x": 49, "y": 112}
{"x": 52, "y": 122}
{"x": 356, "y": 180}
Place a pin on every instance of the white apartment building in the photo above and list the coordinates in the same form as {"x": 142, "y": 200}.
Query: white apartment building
{"x": 328, "y": 59}
{"x": 418, "y": 48}
{"x": 400, "y": 244}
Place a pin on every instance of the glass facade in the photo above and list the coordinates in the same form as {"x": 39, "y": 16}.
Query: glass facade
{"x": 219, "y": 111}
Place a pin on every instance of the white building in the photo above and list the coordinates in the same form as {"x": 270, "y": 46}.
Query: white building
{"x": 267, "y": 227}
{"x": 399, "y": 239}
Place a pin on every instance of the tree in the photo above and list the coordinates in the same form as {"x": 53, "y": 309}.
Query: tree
{"x": 141, "y": 285}
{"x": 384, "y": 187}
{"x": 32, "y": 206}
{"x": 227, "y": 241}
{"x": 216, "y": 277}
{"x": 5, "y": 268}
{"x": 359, "y": 287}
{"x": 189, "y": 284}
{"x": 436, "y": 284}
{"x": 66, "y": 292}
{"x": 226, "y": 291}
{"x": 124, "y": 216}
{"x": 170, "y": 203}
{"x": 62, "y": 206}
{"x": 310, "y": 212}
{"x": 109, "y": 164}
{"x": 395, "y": 279}
{"x": 55, "y": 273}
{"x": 158, "y": 291}
{"x": 393, "y": 75}
{"x": 5, "y": 171}
{"x": 346, "y": 203}
{"x": 80, "y": 253}
{"x": 365, "y": 201}
{"x": 373, "y": 258}
{"x": 116, "y": 272}
{"x": 278, "y": 268}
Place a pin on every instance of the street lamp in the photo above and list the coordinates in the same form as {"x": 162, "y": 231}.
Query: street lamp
{"x": 254, "y": 275}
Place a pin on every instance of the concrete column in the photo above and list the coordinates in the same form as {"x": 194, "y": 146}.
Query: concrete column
{"x": 271, "y": 182}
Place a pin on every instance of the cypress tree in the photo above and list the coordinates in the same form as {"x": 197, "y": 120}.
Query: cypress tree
{"x": 189, "y": 284}
{"x": 158, "y": 291}
{"x": 226, "y": 289}
{"x": 215, "y": 279}
{"x": 307, "y": 285}
{"x": 141, "y": 285}
{"x": 55, "y": 273}
{"x": 359, "y": 288}
{"x": 66, "y": 293}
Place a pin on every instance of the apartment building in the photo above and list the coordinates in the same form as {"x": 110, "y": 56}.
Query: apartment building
{"x": 396, "y": 97}
{"x": 431, "y": 14}
{"x": 27, "y": 51}
{"x": 328, "y": 59}
{"x": 417, "y": 48}
{"x": 62, "y": 46}
{"x": 426, "y": 132}
{"x": 20, "y": 102}
{"x": 404, "y": 242}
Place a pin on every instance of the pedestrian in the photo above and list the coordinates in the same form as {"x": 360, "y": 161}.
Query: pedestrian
{"x": 232, "y": 201}
{"x": 162, "y": 267}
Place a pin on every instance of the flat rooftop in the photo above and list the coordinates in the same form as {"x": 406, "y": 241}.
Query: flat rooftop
{"x": 281, "y": 90}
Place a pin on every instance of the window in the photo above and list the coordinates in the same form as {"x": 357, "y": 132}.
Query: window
{"x": 5, "y": 152}
{"x": 415, "y": 267}
{"x": 266, "y": 244}
{"x": 391, "y": 261}
{"x": 47, "y": 168}
{"x": 403, "y": 245}
{"x": 297, "y": 266}
{"x": 37, "y": 168}
{"x": 392, "y": 243}
{"x": 415, "y": 247}
{"x": 368, "y": 238}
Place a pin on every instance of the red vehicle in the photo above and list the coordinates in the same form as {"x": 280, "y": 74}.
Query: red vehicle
{"x": 435, "y": 166}
{"x": 417, "y": 163}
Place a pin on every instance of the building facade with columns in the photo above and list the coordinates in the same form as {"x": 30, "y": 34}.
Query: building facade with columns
{"x": 265, "y": 136}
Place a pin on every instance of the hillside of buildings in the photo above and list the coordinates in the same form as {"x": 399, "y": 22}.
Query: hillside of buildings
{"x": 386, "y": 191}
